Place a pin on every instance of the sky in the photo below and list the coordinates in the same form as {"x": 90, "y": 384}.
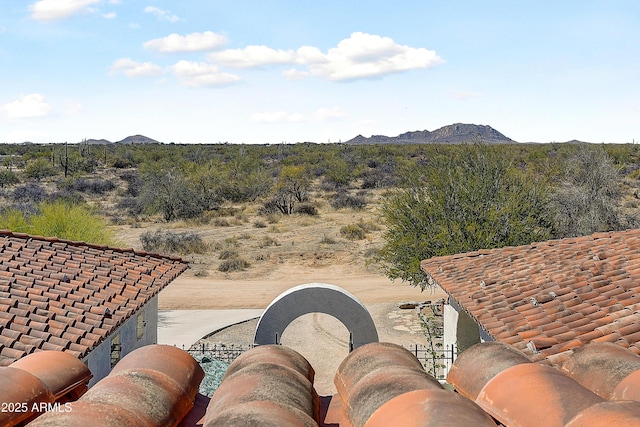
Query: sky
{"x": 270, "y": 71}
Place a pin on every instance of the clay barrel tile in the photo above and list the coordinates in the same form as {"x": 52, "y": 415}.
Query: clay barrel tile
{"x": 628, "y": 388}
{"x": 260, "y": 413}
{"x": 94, "y": 414}
{"x": 151, "y": 395}
{"x": 608, "y": 413}
{"x": 430, "y": 408}
{"x": 380, "y": 386}
{"x": 18, "y": 387}
{"x": 59, "y": 371}
{"x": 171, "y": 361}
{"x": 478, "y": 364}
{"x": 600, "y": 367}
{"x": 532, "y": 395}
{"x": 272, "y": 353}
{"x": 368, "y": 358}
{"x": 264, "y": 382}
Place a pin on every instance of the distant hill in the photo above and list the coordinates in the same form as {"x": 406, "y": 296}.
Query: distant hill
{"x": 134, "y": 139}
{"x": 458, "y": 133}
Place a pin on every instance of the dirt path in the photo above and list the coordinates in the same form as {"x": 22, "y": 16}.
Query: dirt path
{"x": 189, "y": 292}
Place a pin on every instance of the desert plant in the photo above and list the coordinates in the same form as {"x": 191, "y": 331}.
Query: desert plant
{"x": 233, "y": 264}
{"x": 306, "y": 209}
{"x": 70, "y": 221}
{"x": 39, "y": 168}
{"x": 168, "y": 242}
{"x": 589, "y": 198}
{"x": 8, "y": 177}
{"x": 353, "y": 232}
{"x": 474, "y": 200}
{"x": 342, "y": 199}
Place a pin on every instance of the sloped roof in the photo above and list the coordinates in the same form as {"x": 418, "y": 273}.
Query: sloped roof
{"x": 548, "y": 298}
{"x": 55, "y": 294}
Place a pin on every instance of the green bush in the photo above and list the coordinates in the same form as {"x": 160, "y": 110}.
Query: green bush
{"x": 60, "y": 219}
{"x": 7, "y": 177}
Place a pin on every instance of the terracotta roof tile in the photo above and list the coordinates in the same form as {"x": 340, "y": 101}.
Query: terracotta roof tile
{"x": 572, "y": 290}
{"x": 49, "y": 286}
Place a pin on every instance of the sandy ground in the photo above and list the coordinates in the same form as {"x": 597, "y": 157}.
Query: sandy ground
{"x": 189, "y": 292}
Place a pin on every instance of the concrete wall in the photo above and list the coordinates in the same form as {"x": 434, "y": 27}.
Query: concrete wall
{"x": 99, "y": 360}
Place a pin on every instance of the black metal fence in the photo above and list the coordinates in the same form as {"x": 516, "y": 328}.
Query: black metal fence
{"x": 437, "y": 362}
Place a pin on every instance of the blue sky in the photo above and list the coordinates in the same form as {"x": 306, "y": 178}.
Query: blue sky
{"x": 200, "y": 71}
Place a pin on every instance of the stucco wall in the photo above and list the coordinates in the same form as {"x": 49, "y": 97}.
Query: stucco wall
{"x": 99, "y": 360}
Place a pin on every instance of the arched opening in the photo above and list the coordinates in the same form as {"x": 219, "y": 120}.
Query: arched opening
{"x": 324, "y": 341}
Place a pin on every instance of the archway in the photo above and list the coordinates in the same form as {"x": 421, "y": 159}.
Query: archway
{"x": 316, "y": 298}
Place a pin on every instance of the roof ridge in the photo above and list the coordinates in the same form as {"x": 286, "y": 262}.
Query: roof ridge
{"x": 53, "y": 239}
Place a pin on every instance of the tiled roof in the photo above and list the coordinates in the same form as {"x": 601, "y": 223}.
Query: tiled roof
{"x": 379, "y": 385}
{"x": 44, "y": 378}
{"x": 55, "y": 294}
{"x": 382, "y": 384}
{"x": 155, "y": 385}
{"x": 548, "y": 298}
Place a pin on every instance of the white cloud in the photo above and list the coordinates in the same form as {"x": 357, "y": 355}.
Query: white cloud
{"x": 294, "y": 74}
{"x": 365, "y": 56}
{"x": 48, "y": 10}
{"x": 253, "y": 56}
{"x": 110, "y": 15}
{"x": 134, "y": 25}
{"x": 131, "y": 68}
{"x": 115, "y": 1}
{"x": 27, "y": 106}
{"x": 360, "y": 56}
{"x": 320, "y": 115}
{"x": 194, "y": 42}
{"x": 199, "y": 74}
{"x": 163, "y": 15}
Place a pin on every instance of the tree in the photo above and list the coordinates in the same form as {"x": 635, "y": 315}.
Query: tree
{"x": 167, "y": 190}
{"x": 295, "y": 181}
{"x": 588, "y": 199}
{"x": 472, "y": 201}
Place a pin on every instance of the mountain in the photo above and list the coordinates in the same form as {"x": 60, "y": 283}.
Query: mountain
{"x": 458, "y": 133}
{"x": 138, "y": 139}
{"x": 134, "y": 139}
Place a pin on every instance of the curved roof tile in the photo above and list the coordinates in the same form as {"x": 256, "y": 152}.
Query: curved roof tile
{"x": 430, "y": 408}
{"x": 478, "y": 364}
{"x": 534, "y": 395}
{"x": 600, "y": 367}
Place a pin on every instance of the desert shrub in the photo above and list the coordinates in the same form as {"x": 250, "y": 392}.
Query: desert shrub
{"x": 39, "y": 168}
{"x": 379, "y": 177}
{"x": 131, "y": 205}
{"x": 70, "y": 221}
{"x": 13, "y": 219}
{"x": 228, "y": 254}
{"x": 29, "y": 192}
{"x": 328, "y": 240}
{"x": 306, "y": 209}
{"x": 221, "y": 222}
{"x": 169, "y": 242}
{"x": 268, "y": 241}
{"x": 93, "y": 186}
{"x": 7, "y": 177}
{"x": 233, "y": 264}
{"x": 259, "y": 224}
{"x": 343, "y": 199}
{"x": 134, "y": 182}
{"x": 353, "y": 232}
